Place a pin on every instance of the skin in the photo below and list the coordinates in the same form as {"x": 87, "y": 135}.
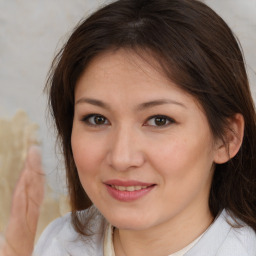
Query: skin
{"x": 27, "y": 199}
{"x": 178, "y": 157}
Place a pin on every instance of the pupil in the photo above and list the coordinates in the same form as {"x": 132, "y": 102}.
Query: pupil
{"x": 160, "y": 121}
{"x": 99, "y": 120}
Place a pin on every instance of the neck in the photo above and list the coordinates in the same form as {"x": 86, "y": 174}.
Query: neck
{"x": 178, "y": 233}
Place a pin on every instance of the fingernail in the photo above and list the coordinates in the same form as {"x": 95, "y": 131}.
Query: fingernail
{"x": 34, "y": 158}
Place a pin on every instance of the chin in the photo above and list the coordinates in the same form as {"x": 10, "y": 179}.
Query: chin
{"x": 130, "y": 226}
{"x": 129, "y": 222}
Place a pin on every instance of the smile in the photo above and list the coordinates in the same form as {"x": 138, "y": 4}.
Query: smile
{"x": 127, "y": 191}
{"x": 130, "y": 188}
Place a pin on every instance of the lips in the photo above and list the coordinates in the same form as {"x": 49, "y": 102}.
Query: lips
{"x": 127, "y": 183}
{"x": 128, "y": 190}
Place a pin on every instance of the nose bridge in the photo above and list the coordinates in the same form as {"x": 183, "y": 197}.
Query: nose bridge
{"x": 124, "y": 150}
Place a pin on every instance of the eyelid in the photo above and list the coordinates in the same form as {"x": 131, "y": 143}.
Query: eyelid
{"x": 86, "y": 118}
{"x": 169, "y": 119}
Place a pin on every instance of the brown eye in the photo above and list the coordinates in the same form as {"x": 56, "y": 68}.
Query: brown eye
{"x": 159, "y": 121}
{"x": 99, "y": 120}
{"x": 95, "y": 120}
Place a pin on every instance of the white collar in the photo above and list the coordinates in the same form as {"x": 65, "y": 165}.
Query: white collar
{"x": 108, "y": 247}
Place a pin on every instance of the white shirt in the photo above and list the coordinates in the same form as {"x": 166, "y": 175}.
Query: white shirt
{"x": 109, "y": 246}
{"x": 221, "y": 239}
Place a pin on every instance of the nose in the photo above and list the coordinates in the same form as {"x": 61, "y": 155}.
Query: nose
{"x": 125, "y": 150}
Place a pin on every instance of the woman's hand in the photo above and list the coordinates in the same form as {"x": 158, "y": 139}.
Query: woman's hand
{"x": 27, "y": 199}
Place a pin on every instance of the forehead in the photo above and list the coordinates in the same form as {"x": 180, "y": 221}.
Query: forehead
{"x": 124, "y": 69}
{"x": 126, "y": 61}
{"x": 126, "y": 76}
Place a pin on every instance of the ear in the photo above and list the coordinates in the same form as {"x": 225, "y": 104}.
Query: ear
{"x": 233, "y": 139}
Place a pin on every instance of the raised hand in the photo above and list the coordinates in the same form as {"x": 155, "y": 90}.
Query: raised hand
{"x": 27, "y": 199}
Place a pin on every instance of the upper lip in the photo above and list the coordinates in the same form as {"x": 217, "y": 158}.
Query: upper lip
{"x": 127, "y": 183}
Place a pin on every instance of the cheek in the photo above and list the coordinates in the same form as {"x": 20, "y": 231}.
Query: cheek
{"x": 185, "y": 169}
{"x": 183, "y": 160}
{"x": 85, "y": 153}
{"x": 86, "y": 157}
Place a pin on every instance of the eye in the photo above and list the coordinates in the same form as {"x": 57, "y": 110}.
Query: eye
{"x": 159, "y": 120}
{"x": 95, "y": 120}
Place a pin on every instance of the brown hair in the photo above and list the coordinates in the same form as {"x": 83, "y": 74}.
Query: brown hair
{"x": 197, "y": 51}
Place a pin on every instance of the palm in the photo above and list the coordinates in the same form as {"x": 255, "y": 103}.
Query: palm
{"x": 27, "y": 198}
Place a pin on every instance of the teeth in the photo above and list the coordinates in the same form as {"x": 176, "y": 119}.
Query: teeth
{"x": 120, "y": 188}
{"x": 130, "y": 188}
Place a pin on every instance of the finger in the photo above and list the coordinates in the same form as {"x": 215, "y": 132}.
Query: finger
{"x": 27, "y": 198}
{"x": 29, "y": 191}
{"x": 35, "y": 179}
{"x": 35, "y": 175}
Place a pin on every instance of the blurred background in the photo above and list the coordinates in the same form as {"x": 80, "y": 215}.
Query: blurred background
{"x": 31, "y": 32}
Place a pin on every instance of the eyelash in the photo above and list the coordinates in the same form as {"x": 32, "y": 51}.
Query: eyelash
{"x": 167, "y": 120}
{"x": 86, "y": 119}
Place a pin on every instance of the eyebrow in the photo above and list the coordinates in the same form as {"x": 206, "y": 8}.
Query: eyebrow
{"x": 140, "y": 107}
{"x": 94, "y": 102}
{"x": 159, "y": 102}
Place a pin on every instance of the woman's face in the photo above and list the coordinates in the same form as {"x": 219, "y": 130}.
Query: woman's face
{"x": 142, "y": 146}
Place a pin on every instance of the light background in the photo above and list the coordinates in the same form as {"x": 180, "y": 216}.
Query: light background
{"x": 31, "y": 31}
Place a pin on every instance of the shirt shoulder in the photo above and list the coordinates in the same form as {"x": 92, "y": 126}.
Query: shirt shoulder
{"x": 223, "y": 239}
{"x": 241, "y": 241}
{"x": 60, "y": 238}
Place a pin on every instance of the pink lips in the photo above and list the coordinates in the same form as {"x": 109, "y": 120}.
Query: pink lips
{"x": 127, "y": 196}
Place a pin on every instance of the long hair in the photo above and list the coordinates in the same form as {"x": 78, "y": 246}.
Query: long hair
{"x": 197, "y": 51}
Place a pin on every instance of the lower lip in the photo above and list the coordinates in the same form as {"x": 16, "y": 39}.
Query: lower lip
{"x": 128, "y": 196}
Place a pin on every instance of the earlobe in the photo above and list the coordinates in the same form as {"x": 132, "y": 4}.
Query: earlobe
{"x": 225, "y": 150}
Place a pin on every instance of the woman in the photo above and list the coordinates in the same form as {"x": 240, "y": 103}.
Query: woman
{"x": 157, "y": 125}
